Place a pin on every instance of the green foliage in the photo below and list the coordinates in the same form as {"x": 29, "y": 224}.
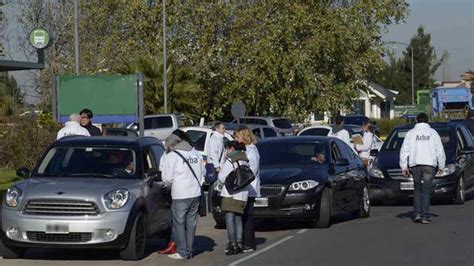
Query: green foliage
{"x": 387, "y": 125}
{"x": 10, "y": 95}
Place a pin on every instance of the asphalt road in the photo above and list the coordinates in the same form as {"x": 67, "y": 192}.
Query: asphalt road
{"x": 388, "y": 237}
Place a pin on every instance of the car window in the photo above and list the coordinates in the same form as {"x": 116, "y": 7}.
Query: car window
{"x": 199, "y": 138}
{"x": 468, "y": 136}
{"x": 256, "y": 132}
{"x": 395, "y": 140}
{"x": 149, "y": 161}
{"x": 344, "y": 151}
{"x": 335, "y": 153}
{"x": 268, "y": 133}
{"x": 162, "y": 122}
{"x": 157, "y": 153}
{"x": 282, "y": 123}
{"x": 148, "y": 123}
{"x": 461, "y": 139}
{"x": 291, "y": 153}
{"x": 315, "y": 132}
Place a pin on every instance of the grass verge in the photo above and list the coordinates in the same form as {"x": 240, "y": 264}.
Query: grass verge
{"x": 7, "y": 177}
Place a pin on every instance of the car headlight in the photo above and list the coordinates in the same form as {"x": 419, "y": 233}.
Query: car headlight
{"x": 13, "y": 197}
{"x": 303, "y": 185}
{"x": 376, "y": 172}
{"x": 448, "y": 170}
{"x": 116, "y": 199}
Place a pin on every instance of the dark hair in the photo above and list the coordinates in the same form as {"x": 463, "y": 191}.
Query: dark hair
{"x": 339, "y": 120}
{"x": 87, "y": 112}
{"x": 217, "y": 125}
{"x": 370, "y": 124}
{"x": 183, "y": 135}
{"x": 238, "y": 146}
{"x": 422, "y": 118}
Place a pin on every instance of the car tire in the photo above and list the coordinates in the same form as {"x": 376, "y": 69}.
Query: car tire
{"x": 135, "y": 249}
{"x": 324, "y": 219}
{"x": 364, "y": 209}
{"x": 11, "y": 252}
{"x": 460, "y": 193}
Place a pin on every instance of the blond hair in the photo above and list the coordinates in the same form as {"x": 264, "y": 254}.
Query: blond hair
{"x": 247, "y": 135}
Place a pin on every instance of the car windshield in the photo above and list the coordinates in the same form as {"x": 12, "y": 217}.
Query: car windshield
{"x": 292, "y": 153}
{"x": 88, "y": 162}
{"x": 396, "y": 138}
{"x": 282, "y": 123}
{"x": 355, "y": 120}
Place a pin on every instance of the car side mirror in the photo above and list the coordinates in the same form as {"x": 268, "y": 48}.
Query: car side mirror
{"x": 155, "y": 176}
{"x": 23, "y": 172}
{"x": 342, "y": 162}
{"x": 374, "y": 152}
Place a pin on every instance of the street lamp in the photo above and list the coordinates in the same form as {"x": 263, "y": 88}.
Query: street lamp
{"x": 412, "y": 71}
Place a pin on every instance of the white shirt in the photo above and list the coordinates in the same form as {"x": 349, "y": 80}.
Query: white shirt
{"x": 72, "y": 128}
{"x": 343, "y": 135}
{"x": 178, "y": 174}
{"x": 215, "y": 153}
{"x": 226, "y": 169}
{"x": 254, "y": 163}
{"x": 422, "y": 146}
{"x": 368, "y": 142}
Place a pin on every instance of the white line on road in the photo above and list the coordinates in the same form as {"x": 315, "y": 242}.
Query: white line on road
{"x": 261, "y": 251}
{"x": 302, "y": 231}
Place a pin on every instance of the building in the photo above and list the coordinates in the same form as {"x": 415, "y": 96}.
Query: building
{"x": 466, "y": 80}
{"x": 375, "y": 101}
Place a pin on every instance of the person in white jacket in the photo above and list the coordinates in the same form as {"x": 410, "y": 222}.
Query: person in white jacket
{"x": 233, "y": 204}
{"x": 215, "y": 152}
{"x": 245, "y": 136}
{"x": 367, "y": 143}
{"x": 339, "y": 132}
{"x": 184, "y": 171}
{"x": 421, "y": 153}
{"x": 73, "y": 127}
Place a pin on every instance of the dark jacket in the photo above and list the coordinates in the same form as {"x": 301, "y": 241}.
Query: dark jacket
{"x": 93, "y": 130}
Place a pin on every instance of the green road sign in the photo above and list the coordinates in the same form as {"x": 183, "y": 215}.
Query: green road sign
{"x": 39, "y": 38}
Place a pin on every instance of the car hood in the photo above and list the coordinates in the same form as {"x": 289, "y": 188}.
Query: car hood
{"x": 287, "y": 174}
{"x": 83, "y": 188}
{"x": 390, "y": 159}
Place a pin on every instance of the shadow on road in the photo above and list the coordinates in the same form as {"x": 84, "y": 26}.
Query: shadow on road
{"x": 411, "y": 215}
{"x": 203, "y": 244}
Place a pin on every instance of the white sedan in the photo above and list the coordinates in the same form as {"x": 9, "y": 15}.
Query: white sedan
{"x": 200, "y": 136}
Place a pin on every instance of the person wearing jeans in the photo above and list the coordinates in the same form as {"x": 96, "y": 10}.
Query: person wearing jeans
{"x": 421, "y": 153}
{"x": 185, "y": 216}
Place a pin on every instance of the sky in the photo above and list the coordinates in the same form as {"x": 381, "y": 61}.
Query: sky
{"x": 450, "y": 23}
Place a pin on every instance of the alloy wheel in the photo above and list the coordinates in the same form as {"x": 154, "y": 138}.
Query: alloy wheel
{"x": 366, "y": 199}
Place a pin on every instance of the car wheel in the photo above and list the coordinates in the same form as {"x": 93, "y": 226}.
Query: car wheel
{"x": 324, "y": 219}
{"x": 135, "y": 249}
{"x": 460, "y": 194}
{"x": 364, "y": 210}
{"x": 10, "y": 252}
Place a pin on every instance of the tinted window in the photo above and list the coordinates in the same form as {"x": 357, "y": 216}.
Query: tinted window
{"x": 355, "y": 120}
{"x": 395, "y": 140}
{"x": 343, "y": 149}
{"x": 148, "y": 123}
{"x": 163, "y": 122}
{"x": 315, "y": 132}
{"x": 335, "y": 152}
{"x": 256, "y": 132}
{"x": 282, "y": 123}
{"x": 149, "y": 161}
{"x": 198, "y": 138}
{"x": 467, "y": 135}
{"x": 157, "y": 153}
{"x": 291, "y": 153}
{"x": 89, "y": 162}
{"x": 268, "y": 133}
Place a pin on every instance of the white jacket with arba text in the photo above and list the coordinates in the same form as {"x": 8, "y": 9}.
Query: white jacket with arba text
{"x": 422, "y": 146}
{"x": 72, "y": 128}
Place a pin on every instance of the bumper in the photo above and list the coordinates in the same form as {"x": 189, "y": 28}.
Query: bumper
{"x": 80, "y": 232}
{"x": 302, "y": 206}
{"x": 389, "y": 189}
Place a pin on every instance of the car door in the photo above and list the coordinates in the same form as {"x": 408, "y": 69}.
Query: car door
{"x": 269, "y": 133}
{"x": 356, "y": 173}
{"x": 466, "y": 137}
{"x": 338, "y": 179}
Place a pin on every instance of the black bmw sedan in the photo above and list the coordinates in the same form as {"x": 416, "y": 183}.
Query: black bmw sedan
{"x": 306, "y": 179}
{"x": 388, "y": 183}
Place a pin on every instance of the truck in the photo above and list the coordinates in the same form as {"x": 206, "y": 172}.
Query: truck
{"x": 451, "y": 102}
{"x": 161, "y": 126}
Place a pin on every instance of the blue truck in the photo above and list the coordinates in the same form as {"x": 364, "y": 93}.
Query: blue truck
{"x": 451, "y": 101}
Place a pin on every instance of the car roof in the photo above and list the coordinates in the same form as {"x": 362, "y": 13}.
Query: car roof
{"x": 296, "y": 139}
{"x": 106, "y": 141}
{"x": 265, "y": 117}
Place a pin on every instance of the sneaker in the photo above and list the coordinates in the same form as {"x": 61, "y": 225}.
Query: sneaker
{"x": 417, "y": 219}
{"x": 426, "y": 221}
{"x": 176, "y": 256}
{"x": 246, "y": 249}
{"x": 170, "y": 248}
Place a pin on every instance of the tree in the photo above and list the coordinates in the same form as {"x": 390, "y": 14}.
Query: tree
{"x": 10, "y": 95}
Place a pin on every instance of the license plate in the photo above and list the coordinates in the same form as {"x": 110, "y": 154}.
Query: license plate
{"x": 57, "y": 228}
{"x": 407, "y": 186}
{"x": 261, "y": 202}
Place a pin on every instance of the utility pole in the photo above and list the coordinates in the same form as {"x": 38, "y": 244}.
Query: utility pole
{"x": 76, "y": 37}
{"x": 165, "y": 93}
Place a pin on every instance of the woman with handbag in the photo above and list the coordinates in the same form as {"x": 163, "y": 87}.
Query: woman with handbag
{"x": 233, "y": 203}
{"x": 245, "y": 136}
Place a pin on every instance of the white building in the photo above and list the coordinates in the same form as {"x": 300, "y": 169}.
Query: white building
{"x": 375, "y": 102}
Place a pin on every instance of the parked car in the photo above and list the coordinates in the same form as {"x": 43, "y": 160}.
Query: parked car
{"x": 160, "y": 126}
{"x": 294, "y": 185}
{"x": 325, "y": 130}
{"x": 200, "y": 137}
{"x": 88, "y": 192}
{"x": 117, "y": 131}
{"x": 388, "y": 183}
{"x": 283, "y": 125}
{"x": 261, "y": 132}
{"x": 359, "y": 120}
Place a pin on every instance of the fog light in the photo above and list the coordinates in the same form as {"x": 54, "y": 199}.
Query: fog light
{"x": 110, "y": 234}
{"x": 13, "y": 232}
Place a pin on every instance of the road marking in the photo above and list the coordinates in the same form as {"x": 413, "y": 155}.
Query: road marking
{"x": 302, "y": 231}
{"x": 261, "y": 251}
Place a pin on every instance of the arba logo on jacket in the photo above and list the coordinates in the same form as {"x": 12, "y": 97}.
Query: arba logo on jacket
{"x": 422, "y": 138}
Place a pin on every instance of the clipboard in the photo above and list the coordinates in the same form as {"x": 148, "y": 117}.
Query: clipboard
{"x": 357, "y": 140}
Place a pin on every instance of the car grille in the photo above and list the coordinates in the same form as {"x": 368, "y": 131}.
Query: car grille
{"x": 53, "y": 207}
{"x": 271, "y": 190}
{"x": 397, "y": 174}
{"x": 60, "y": 238}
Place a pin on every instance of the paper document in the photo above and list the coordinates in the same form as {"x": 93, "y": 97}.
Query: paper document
{"x": 357, "y": 139}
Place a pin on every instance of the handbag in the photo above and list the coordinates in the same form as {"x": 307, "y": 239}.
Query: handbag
{"x": 229, "y": 204}
{"x": 202, "y": 210}
{"x": 239, "y": 178}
